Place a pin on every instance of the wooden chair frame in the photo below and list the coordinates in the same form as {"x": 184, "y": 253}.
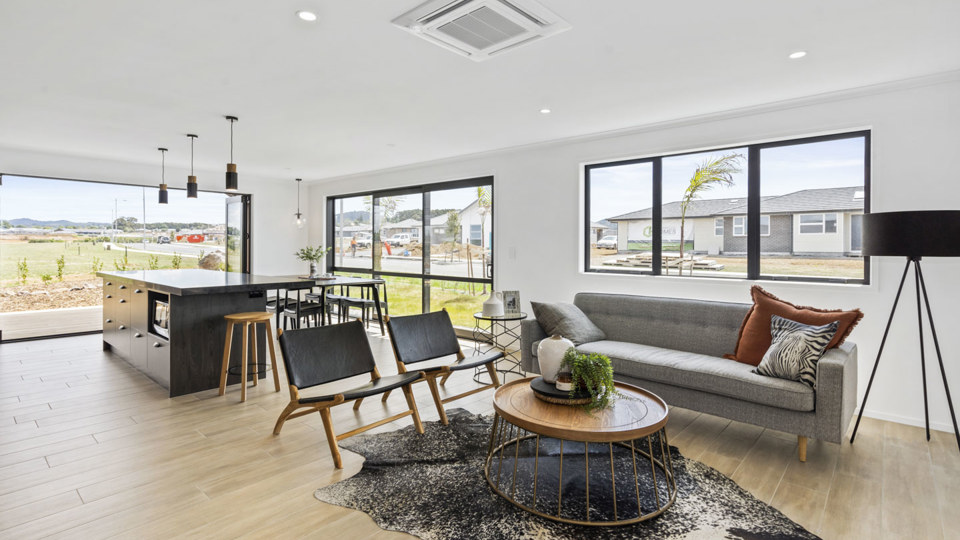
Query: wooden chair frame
{"x": 323, "y": 407}
{"x": 443, "y": 373}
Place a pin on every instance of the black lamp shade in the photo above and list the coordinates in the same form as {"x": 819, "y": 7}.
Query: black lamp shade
{"x": 191, "y": 187}
{"x": 164, "y": 194}
{"x": 921, "y": 233}
{"x": 232, "y": 181}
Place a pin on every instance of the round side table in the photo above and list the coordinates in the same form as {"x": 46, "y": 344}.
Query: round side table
{"x": 560, "y": 462}
{"x": 502, "y": 337}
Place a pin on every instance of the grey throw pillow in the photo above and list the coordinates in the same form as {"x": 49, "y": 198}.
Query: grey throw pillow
{"x": 795, "y": 350}
{"x": 568, "y": 321}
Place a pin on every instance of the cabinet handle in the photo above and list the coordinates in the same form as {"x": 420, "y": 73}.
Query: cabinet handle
{"x": 137, "y": 291}
{"x": 121, "y": 327}
{"x": 109, "y": 320}
{"x": 109, "y": 283}
{"x": 157, "y": 345}
{"x": 122, "y": 301}
{"x": 109, "y": 296}
{"x": 138, "y": 334}
{"x": 123, "y": 286}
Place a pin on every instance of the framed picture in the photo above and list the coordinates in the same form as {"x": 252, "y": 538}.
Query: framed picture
{"x": 511, "y": 302}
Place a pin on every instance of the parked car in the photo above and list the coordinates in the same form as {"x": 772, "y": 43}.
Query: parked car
{"x": 607, "y": 242}
{"x": 163, "y": 239}
{"x": 364, "y": 240}
{"x": 399, "y": 239}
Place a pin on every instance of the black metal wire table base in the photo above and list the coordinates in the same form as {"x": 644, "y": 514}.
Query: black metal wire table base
{"x": 631, "y": 481}
{"x": 501, "y": 337}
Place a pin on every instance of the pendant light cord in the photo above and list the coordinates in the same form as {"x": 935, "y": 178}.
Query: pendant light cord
{"x": 231, "y": 140}
{"x": 191, "y": 155}
{"x": 163, "y": 167}
{"x": 298, "y": 196}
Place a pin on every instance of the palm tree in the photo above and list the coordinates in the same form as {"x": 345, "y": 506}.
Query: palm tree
{"x": 711, "y": 172}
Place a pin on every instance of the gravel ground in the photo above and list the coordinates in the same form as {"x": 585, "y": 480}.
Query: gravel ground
{"x": 75, "y": 292}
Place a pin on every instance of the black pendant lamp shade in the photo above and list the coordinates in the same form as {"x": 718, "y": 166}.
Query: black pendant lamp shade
{"x": 914, "y": 234}
{"x": 191, "y": 180}
{"x": 232, "y": 182}
{"x": 164, "y": 195}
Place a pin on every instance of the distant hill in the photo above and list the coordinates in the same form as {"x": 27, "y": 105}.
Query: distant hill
{"x": 27, "y": 222}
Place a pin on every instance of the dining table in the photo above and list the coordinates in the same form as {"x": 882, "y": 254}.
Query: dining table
{"x": 371, "y": 283}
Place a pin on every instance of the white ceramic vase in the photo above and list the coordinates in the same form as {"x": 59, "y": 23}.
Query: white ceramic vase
{"x": 493, "y": 307}
{"x": 550, "y": 354}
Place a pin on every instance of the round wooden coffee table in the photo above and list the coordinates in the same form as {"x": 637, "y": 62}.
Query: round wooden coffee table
{"x": 609, "y": 467}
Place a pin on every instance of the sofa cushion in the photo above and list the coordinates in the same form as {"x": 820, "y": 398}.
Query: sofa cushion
{"x": 566, "y": 320}
{"x": 704, "y": 373}
{"x": 795, "y": 350}
{"x": 755, "y": 339}
{"x": 696, "y": 326}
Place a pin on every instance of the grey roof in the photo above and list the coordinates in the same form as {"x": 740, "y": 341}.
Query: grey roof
{"x": 810, "y": 200}
{"x": 697, "y": 208}
{"x": 807, "y": 200}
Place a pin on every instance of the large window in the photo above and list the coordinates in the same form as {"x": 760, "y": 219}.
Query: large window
{"x": 432, "y": 244}
{"x": 55, "y": 235}
{"x": 778, "y": 210}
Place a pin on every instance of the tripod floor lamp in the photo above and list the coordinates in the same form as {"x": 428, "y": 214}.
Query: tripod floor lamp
{"x": 914, "y": 235}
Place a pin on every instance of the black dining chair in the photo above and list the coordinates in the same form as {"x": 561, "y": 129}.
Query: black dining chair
{"x": 430, "y": 336}
{"x": 325, "y": 354}
{"x": 298, "y": 311}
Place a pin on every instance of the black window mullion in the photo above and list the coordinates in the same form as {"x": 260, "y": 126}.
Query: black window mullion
{"x": 587, "y": 217}
{"x": 425, "y": 235}
{"x": 656, "y": 264}
{"x": 753, "y": 212}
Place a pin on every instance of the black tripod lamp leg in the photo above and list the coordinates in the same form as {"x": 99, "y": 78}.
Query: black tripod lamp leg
{"x": 883, "y": 342}
{"x": 936, "y": 344}
{"x": 923, "y": 360}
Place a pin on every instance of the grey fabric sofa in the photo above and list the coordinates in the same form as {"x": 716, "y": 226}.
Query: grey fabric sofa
{"x": 673, "y": 347}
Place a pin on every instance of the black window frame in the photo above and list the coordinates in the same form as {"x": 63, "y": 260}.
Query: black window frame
{"x": 425, "y": 276}
{"x": 754, "y": 180}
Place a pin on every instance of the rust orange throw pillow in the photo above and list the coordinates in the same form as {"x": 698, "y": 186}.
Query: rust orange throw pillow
{"x": 754, "y": 339}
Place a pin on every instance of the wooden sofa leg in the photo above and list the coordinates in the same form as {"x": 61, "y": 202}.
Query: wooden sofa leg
{"x": 331, "y": 438}
{"x": 802, "y": 447}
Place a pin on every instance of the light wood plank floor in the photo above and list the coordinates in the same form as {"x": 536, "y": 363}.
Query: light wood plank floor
{"x": 90, "y": 448}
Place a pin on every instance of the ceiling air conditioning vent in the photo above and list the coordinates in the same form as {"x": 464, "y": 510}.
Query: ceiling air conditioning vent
{"x": 479, "y": 29}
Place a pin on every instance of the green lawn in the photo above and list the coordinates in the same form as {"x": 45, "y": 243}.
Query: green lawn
{"x": 405, "y": 297}
{"x": 42, "y": 259}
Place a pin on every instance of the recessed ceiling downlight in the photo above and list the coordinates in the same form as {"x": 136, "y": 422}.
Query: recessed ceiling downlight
{"x": 545, "y": 111}
{"x": 308, "y": 16}
{"x": 798, "y": 54}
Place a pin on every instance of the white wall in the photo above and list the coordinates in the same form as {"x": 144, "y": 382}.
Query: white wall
{"x": 915, "y": 132}
{"x": 275, "y": 237}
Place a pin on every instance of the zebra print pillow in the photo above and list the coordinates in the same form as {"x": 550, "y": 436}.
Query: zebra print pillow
{"x": 795, "y": 350}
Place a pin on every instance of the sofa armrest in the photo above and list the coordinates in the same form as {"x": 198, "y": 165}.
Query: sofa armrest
{"x": 530, "y": 333}
{"x": 836, "y": 391}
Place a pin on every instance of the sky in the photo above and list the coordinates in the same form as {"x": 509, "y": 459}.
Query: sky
{"x": 45, "y": 199}
{"x": 627, "y": 188}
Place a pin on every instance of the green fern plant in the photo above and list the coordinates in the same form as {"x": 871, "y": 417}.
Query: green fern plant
{"x": 311, "y": 254}
{"x": 593, "y": 373}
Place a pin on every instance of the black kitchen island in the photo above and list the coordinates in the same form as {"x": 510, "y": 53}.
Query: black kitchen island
{"x": 169, "y": 323}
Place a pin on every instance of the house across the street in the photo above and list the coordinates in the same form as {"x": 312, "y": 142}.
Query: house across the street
{"x": 814, "y": 222}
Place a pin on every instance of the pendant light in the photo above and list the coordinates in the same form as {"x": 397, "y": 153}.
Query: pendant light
{"x": 191, "y": 180}
{"x": 300, "y": 221}
{"x": 231, "y": 167}
{"x": 163, "y": 181}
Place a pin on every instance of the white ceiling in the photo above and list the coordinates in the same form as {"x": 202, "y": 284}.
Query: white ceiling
{"x": 352, "y": 93}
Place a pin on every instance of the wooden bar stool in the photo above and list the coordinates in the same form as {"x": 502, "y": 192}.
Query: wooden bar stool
{"x": 249, "y": 321}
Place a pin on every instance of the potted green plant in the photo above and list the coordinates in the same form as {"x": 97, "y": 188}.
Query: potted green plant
{"x": 313, "y": 255}
{"x": 593, "y": 373}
